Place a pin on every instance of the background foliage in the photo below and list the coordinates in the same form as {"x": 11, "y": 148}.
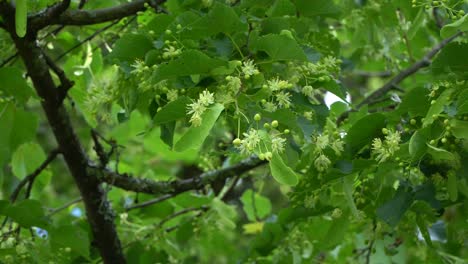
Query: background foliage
{"x": 209, "y": 126}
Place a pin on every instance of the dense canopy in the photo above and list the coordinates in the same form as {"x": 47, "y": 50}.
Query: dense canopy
{"x": 233, "y": 131}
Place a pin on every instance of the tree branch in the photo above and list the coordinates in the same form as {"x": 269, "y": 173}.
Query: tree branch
{"x": 31, "y": 177}
{"x": 65, "y": 206}
{"x": 65, "y": 83}
{"x": 424, "y": 62}
{"x": 90, "y": 17}
{"x": 129, "y": 183}
{"x": 98, "y": 210}
{"x": 150, "y": 202}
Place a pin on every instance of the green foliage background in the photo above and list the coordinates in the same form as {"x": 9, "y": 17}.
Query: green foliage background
{"x": 383, "y": 182}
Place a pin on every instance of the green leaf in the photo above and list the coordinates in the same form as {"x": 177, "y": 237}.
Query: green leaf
{"x": 325, "y": 8}
{"x": 348, "y": 188}
{"x": 255, "y": 205}
{"x": 415, "y": 102}
{"x": 439, "y": 154}
{"x": 392, "y": 211}
{"x": 16, "y": 127}
{"x": 226, "y": 213}
{"x": 167, "y": 133}
{"x": 21, "y": 17}
{"x": 130, "y": 47}
{"x": 437, "y": 107}
{"x": 27, "y": 213}
{"x": 452, "y": 59}
{"x": 70, "y": 236}
{"x": 27, "y": 158}
{"x": 282, "y": 8}
{"x": 188, "y": 63}
{"x": 452, "y": 28}
{"x": 220, "y": 19}
{"x": 281, "y": 172}
{"x": 172, "y": 111}
{"x": 13, "y": 84}
{"x": 195, "y": 136}
{"x": 364, "y": 131}
{"x": 279, "y": 47}
{"x": 417, "y": 144}
{"x": 459, "y": 128}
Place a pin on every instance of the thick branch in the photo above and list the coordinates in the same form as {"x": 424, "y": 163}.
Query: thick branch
{"x": 127, "y": 182}
{"x": 424, "y": 62}
{"x": 98, "y": 211}
{"x": 90, "y": 17}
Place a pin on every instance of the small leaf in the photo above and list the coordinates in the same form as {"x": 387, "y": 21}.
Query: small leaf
{"x": 188, "y": 63}
{"x": 27, "y": 213}
{"x": 167, "y": 133}
{"x": 73, "y": 237}
{"x": 392, "y": 211}
{"x": 13, "y": 84}
{"x": 195, "y": 136}
{"x": 21, "y": 17}
{"x": 281, "y": 172}
{"x": 253, "y": 228}
{"x": 364, "y": 130}
{"x": 172, "y": 111}
{"x": 279, "y": 47}
{"x": 417, "y": 144}
{"x": 26, "y": 159}
{"x": 459, "y": 128}
{"x": 440, "y": 154}
{"x": 437, "y": 107}
{"x": 452, "y": 28}
{"x": 255, "y": 205}
{"x": 452, "y": 60}
{"x": 325, "y": 8}
{"x": 131, "y": 47}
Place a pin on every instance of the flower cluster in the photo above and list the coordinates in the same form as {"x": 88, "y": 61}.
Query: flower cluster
{"x": 280, "y": 98}
{"x": 385, "y": 149}
{"x": 197, "y": 108}
{"x": 262, "y": 142}
{"x": 171, "y": 52}
{"x": 249, "y": 69}
{"x": 330, "y": 139}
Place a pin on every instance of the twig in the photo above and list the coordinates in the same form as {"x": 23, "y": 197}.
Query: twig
{"x": 368, "y": 74}
{"x": 31, "y": 177}
{"x": 424, "y": 62}
{"x": 371, "y": 243}
{"x": 99, "y": 149}
{"x": 65, "y": 83}
{"x": 7, "y": 60}
{"x": 149, "y": 202}
{"x": 225, "y": 194}
{"x": 65, "y": 206}
{"x": 181, "y": 212}
{"x": 438, "y": 20}
{"x": 130, "y": 183}
{"x": 95, "y": 34}
{"x": 415, "y": 67}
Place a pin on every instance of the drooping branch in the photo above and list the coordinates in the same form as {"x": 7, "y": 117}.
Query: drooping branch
{"x": 31, "y": 177}
{"x": 97, "y": 16}
{"x": 422, "y": 63}
{"x": 127, "y": 182}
